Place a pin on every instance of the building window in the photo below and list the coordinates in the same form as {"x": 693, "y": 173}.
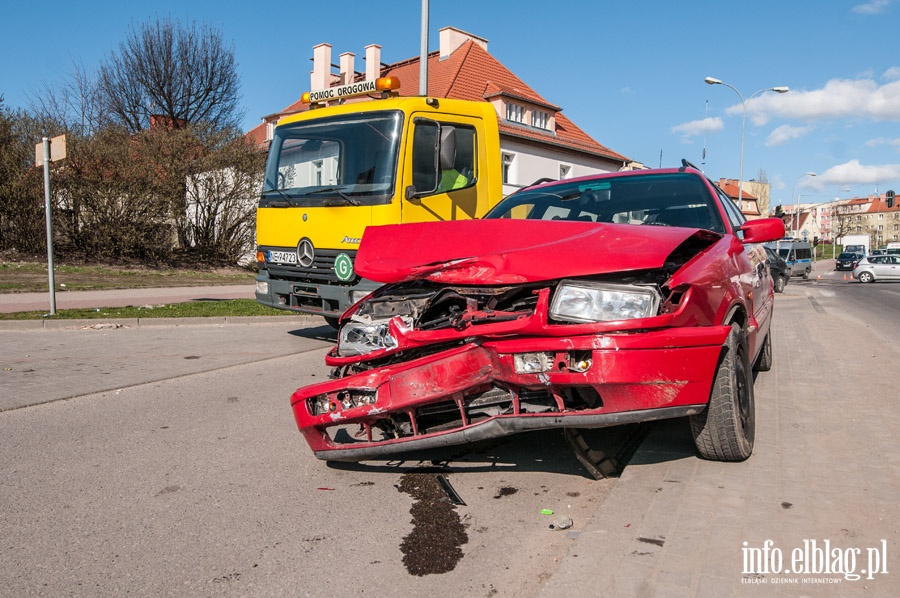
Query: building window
{"x": 564, "y": 171}
{"x": 539, "y": 119}
{"x": 508, "y": 161}
{"x": 515, "y": 113}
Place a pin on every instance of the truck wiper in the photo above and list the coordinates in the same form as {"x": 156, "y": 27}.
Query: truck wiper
{"x": 288, "y": 200}
{"x": 346, "y": 198}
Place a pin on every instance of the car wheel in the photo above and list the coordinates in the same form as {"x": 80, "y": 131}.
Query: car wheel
{"x": 866, "y": 277}
{"x": 779, "y": 284}
{"x": 806, "y": 275}
{"x": 764, "y": 360}
{"x": 726, "y": 429}
{"x": 333, "y": 322}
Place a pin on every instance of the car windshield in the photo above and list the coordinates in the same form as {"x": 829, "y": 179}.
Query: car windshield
{"x": 344, "y": 160}
{"x": 847, "y": 256}
{"x": 668, "y": 199}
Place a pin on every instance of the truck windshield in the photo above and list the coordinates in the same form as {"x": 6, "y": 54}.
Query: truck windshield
{"x": 341, "y": 160}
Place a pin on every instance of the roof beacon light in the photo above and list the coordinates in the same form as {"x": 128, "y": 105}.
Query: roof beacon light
{"x": 382, "y": 84}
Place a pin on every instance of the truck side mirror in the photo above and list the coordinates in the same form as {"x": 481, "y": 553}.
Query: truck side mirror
{"x": 425, "y": 158}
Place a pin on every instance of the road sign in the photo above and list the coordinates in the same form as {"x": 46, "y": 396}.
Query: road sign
{"x": 57, "y": 150}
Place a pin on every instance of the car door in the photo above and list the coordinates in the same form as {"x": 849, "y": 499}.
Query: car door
{"x": 891, "y": 267}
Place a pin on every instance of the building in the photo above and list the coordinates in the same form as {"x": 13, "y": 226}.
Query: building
{"x": 868, "y": 215}
{"x": 748, "y": 203}
{"x": 536, "y": 139}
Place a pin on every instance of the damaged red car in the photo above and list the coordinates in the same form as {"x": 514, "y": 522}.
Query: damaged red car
{"x": 591, "y": 302}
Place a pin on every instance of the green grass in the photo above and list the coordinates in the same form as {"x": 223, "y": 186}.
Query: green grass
{"x": 192, "y": 309}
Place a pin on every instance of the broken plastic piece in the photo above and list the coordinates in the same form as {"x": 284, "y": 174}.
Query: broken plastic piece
{"x": 445, "y": 485}
{"x": 546, "y": 511}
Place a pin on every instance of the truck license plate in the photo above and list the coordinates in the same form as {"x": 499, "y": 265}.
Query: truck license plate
{"x": 283, "y": 257}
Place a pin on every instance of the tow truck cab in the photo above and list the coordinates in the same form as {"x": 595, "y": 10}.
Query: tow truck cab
{"x": 333, "y": 171}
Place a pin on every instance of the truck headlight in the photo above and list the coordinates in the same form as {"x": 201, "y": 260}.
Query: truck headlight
{"x": 586, "y": 301}
{"x": 362, "y": 338}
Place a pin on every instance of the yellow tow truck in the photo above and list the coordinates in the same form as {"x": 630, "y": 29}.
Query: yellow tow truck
{"x": 334, "y": 170}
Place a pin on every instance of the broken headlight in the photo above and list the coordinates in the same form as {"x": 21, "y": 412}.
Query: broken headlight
{"x": 362, "y": 338}
{"x": 586, "y": 301}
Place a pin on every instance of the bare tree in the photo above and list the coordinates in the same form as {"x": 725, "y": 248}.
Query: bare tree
{"x": 184, "y": 74}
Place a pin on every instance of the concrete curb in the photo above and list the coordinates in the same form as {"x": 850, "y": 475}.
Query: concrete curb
{"x": 106, "y": 323}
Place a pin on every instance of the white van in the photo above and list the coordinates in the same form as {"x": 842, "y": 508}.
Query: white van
{"x": 796, "y": 254}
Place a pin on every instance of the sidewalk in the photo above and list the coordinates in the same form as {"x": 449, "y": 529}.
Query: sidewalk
{"x": 14, "y": 302}
{"x": 825, "y": 469}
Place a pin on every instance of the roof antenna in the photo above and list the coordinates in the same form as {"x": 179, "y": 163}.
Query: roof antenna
{"x": 660, "y": 158}
{"x": 705, "y": 116}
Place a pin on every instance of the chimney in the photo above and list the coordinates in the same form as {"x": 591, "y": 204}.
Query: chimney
{"x": 347, "y": 62}
{"x": 373, "y": 62}
{"x": 320, "y": 77}
{"x": 451, "y": 38}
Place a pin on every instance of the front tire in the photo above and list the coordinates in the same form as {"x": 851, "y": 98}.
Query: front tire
{"x": 726, "y": 429}
{"x": 866, "y": 277}
{"x": 765, "y": 360}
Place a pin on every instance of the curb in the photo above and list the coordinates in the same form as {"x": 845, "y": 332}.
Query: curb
{"x": 112, "y": 323}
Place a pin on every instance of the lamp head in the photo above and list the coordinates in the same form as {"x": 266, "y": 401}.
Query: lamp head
{"x": 712, "y": 81}
{"x": 781, "y": 89}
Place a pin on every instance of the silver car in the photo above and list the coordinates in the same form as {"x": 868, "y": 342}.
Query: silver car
{"x": 877, "y": 267}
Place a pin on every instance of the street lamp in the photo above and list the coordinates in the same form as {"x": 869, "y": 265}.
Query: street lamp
{"x": 780, "y": 89}
{"x": 796, "y": 218}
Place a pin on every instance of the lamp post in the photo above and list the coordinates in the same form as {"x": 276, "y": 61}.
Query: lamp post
{"x": 780, "y": 89}
{"x": 796, "y": 218}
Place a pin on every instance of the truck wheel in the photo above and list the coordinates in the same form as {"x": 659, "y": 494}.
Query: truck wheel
{"x": 866, "y": 277}
{"x": 779, "y": 284}
{"x": 764, "y": 360}
{"x": 726, "y": 429}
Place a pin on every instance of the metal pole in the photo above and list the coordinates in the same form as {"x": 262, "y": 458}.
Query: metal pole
{"x": 423, "y": 52}
{"x": 48, "y": 211}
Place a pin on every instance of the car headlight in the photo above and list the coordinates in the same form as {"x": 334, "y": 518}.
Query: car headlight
{"x": 362, "y": 338}
{"x": 585, "y": 301}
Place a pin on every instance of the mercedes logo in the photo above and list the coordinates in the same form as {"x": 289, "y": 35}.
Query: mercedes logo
{"x": 306, "y": 253}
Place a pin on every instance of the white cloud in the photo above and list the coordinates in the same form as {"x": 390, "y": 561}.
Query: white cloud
{"x": 839, "y": 98}
{"x": 699, "y": 127}
{"x": 892, "y": 74}
{"x": 854, "y": 173}
{"x": 884, "y": 141}
{"x": 786, "y": 133}
{"x": 873, "y": 7}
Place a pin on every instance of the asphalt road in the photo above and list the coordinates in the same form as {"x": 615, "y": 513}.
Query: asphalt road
{"x": 165, "y": 460}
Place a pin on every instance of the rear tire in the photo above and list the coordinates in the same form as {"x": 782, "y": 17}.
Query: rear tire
{"x": 779, "y": 284}
{"x": 765, "y": 361}
{"x": 726, "y": 429}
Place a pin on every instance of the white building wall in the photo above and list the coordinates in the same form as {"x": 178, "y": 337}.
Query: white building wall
{"x": 531, "y": 163}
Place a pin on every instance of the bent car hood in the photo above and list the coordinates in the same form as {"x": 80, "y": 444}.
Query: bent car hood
{"x": 504, "y": 251}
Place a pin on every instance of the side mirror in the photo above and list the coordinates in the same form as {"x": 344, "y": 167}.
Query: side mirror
{"x": 762, "y": 230}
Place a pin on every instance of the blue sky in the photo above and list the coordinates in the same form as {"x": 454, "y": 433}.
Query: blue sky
{"x": 630, "y": 74}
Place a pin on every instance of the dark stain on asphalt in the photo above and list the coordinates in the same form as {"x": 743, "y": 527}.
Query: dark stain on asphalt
{"x": 505, "y": 491}
{"x": 192, "y": 357}
{"x": 787, "y": 505}
{"x": 168, "y": 490}
{"x": 654, "y": 541}
{"x": 435, "y": 543}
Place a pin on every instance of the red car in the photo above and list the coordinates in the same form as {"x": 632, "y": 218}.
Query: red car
{"x": 591, "y": 302}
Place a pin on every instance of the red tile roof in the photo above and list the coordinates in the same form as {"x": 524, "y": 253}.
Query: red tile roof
{"x": 471, "y": 73}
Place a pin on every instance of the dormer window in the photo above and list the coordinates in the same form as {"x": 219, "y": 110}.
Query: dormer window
{"x": 515, "y": 113}
{"x": 540, "y": 119}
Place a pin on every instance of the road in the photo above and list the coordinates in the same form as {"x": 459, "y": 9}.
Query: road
{"x": 164, "y": 460}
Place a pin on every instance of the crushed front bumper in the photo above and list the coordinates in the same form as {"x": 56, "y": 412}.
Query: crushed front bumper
{"x": 476, "y": 392}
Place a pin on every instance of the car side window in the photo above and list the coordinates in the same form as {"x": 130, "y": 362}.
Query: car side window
{"x": 735, "y": 216}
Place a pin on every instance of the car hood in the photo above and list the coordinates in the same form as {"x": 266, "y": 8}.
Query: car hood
{"x": 505, "y": 251}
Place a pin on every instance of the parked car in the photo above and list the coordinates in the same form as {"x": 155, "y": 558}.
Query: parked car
{"x": 797, "y": 255}
{"x": 591, "y": 302}
{"x": 877, "y": 267}
{"x": 847, "y": 261}
{"x": 778, "y": 268}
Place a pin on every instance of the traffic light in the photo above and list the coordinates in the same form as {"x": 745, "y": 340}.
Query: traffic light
{"x": 889, "y": 199}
